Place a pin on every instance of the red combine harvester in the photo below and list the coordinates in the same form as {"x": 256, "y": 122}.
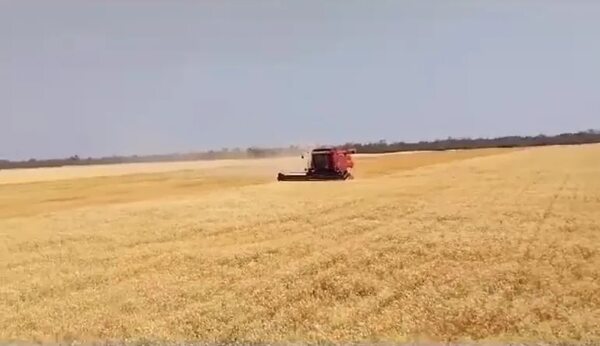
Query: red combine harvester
{"x": 324, "y": 164}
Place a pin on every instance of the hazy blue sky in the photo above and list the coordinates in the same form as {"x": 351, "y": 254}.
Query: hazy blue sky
{"x": 124, "y": 77}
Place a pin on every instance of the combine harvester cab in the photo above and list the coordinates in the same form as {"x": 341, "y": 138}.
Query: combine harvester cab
{"x": 324, "y": 164}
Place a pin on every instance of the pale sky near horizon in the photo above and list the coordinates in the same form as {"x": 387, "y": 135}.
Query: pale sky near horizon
{"x": 98, "y": 78}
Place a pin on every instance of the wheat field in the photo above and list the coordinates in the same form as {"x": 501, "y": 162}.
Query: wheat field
{"x": 482, "y": 245}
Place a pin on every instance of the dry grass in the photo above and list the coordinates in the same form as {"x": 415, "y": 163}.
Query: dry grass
{"x": 496, "y": 247}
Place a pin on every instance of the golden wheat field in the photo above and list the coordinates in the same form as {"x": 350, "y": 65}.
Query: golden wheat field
{"x": 483, "y": 245}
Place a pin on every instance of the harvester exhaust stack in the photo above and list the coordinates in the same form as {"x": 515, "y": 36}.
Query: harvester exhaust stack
{"x": 325, "y": 164}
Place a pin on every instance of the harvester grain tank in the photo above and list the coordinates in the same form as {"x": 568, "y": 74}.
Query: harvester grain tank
{"x": 324, "y": 164}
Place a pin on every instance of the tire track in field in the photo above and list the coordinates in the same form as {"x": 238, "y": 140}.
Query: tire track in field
{"x": 537, "y": 233}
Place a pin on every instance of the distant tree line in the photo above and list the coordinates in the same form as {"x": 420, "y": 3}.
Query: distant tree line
{"x": 583, "y": 137}
{"x": 75, "y": 160}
